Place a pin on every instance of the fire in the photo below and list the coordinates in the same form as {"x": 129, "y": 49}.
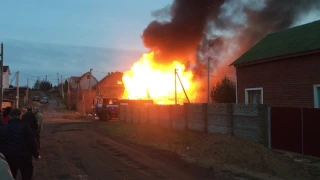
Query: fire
{"x": 149, "y": 80}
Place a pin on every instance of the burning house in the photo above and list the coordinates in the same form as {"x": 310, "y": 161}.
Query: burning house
{"x": 187, "y": 33}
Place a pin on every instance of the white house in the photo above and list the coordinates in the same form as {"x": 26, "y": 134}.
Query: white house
{"x": 5, "y": 76}
{"x": 82, "y": 81}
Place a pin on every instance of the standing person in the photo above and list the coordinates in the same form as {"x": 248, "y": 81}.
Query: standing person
{"x": 39, "y": 118}
{"x": 6, "y": 115}
{"x": 18, "y": 146}
{"x": 30, "y": 119}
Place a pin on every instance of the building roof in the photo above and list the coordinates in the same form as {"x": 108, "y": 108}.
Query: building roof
{"x": 304, "y": 38}
{"x": 120, "y": 74}
{"x": 5, "y": 68}
{"x": 75, "y": 79}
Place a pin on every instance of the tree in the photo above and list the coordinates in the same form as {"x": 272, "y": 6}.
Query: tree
{"x": 37, "y": 84}
{"x": 224, "y": 91}
{"x": 45, "y": 85}
{"x": 65, "y": 86}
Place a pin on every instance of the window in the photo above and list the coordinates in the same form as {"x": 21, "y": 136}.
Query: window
{"x": 254, "y": 96}
{"x": 316, "y": 89}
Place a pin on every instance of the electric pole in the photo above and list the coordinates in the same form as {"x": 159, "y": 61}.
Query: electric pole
{"x": 208, "y": 88}
{"x": 1, "y": 79}
{"x": 27, "y": 89}
{"x": 175, "y": 86}
{"x": 46, "y": 78}
{"x": 62, "y": 93}
{"x": 69, "y": 93}
{"x": 89, "y": 88}
{"x": 58, "y": 78}
{"x": 90, "y": 97}
{"x": 17, "y": 78}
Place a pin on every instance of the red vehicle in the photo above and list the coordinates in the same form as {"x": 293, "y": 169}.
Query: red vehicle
{"x": 110, "y": 107}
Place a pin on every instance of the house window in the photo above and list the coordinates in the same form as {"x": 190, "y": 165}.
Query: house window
{"x": 316, "y": 89}
{"x": 254, "y": 96}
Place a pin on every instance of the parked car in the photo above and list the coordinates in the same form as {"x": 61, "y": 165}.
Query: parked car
{"x": 36, "y": 98}
{"x": 44, "y": 100}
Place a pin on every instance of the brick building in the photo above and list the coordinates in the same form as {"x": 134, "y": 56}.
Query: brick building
{"x": 283, "y": 69}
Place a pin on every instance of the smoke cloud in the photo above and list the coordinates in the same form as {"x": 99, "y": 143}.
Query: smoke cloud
{"x": 220, "y": 29}
{"x": 180, "y": 37}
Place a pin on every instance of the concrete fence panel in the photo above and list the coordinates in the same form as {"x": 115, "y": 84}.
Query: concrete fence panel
{"x": 219, "y": 118}
{"x": 164, "y": 116}
{"x": 144, "y": 114}
{"x": 122, "y": 112}
{"x": 153, "y": 114}
{"x": 247, "y": 122}
{"x": 136, "y": 115}
{"x": 178, "y": 117}
{"x": 129, "y": 113}
{"x": 196, "y": 117}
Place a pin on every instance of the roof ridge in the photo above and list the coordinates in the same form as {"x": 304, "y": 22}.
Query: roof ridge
{"x": 295, "y": 27}
{"x": 289, "y": 41}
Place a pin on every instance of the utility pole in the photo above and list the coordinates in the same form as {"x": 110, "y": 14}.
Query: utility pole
{"x": 89, "y": 88}
{"x": 69, "y": 93}
{"x": 27, "y": 89}
{"x": 208, "y": 88}
{"x": 1, "y": 79}
{"x": 62, "y": 93}
{"x": 90, "y": 97}
{"x": 17, "y": 78}
{"x": 175, "y": 86}
{"x": 58, "y": 78}
{"x": 46, "y": 78}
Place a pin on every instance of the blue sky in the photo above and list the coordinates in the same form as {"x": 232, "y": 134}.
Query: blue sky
{"x": 102, "y": 23}
{"x": 36, "y": 32}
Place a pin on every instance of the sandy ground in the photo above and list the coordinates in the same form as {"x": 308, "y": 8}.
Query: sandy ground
{"x": 73, "y": 149}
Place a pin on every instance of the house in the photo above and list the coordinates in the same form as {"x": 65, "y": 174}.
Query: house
{"x": 82, "y": 82}
{"x": 10, "y": 95}
{"x": 110, "y": 86}
{"x": 283, "y": 69}
{"x": 5, "y": 77}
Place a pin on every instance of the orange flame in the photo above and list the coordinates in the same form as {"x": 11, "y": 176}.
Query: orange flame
{"x": 149, "y": 80}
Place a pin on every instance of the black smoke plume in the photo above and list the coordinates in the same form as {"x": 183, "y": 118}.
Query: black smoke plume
{"x": 179, "y": 38}
{"x": 193, "y": 23}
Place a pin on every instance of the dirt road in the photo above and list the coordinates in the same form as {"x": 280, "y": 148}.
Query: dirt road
{"x": 72, "y": 149}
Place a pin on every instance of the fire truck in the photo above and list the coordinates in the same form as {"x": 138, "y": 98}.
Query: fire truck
{"x": 110, "y": 107}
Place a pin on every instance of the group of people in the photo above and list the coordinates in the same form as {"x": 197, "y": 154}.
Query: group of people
{"x": 19, "y": 142}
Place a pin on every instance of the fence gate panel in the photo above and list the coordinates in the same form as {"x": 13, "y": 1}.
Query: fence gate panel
{"x": 286, "y": 129}
{"x": 311, "y": 131}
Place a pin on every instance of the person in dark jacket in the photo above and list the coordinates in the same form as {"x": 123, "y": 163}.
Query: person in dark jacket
{"x": 6, "y": 115}
{"x": 30, "y": 118}
{"x": 18, "y": 145}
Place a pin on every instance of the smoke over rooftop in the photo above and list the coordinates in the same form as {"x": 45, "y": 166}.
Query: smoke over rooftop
{"x": 222, "y": 29}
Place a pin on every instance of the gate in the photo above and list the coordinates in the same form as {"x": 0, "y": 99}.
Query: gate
{"x": 311, "y": 131}
{"x": 286, "y": 129}
{"x": 296, "y": 130}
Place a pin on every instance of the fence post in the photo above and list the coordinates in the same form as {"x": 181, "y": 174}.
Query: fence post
{"x": 302, "y": 141}
{"x": 170, "y": 116}
{"x": 205, "y": 117}
{"x": 186, "y": 115}
{"x": 269, "y": 127}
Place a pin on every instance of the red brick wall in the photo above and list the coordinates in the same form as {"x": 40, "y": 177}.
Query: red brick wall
{"x": 287, "y": 82}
